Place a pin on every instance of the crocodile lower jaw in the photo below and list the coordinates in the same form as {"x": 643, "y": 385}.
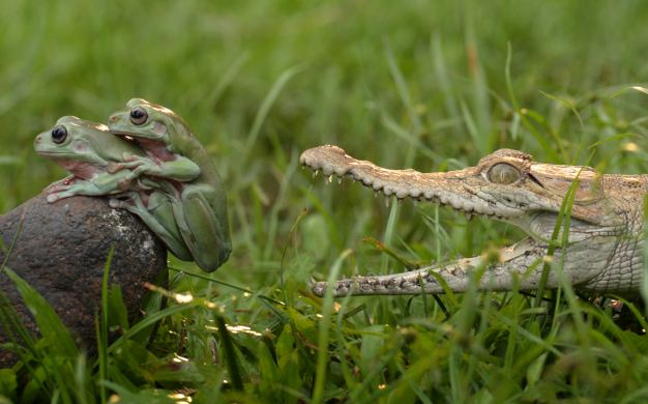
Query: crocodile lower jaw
{"x": 453, "y": 276}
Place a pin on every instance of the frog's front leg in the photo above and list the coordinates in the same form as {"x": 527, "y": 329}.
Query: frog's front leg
{"x": 158, "y": 215}
{"x": 80, "y": 187}
{"x": 204, "y": 227}
{"x": 102, "y": 184}
{"x": 66, "y": 192}
{"x": 179, "y": 169}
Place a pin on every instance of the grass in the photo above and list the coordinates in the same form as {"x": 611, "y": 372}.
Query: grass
{"x": 432, "y": 85}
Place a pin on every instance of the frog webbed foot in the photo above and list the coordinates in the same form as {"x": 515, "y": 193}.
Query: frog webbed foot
{"x": 56, "y": 196}
{"x": 60, "y": 185}
{"x": 128, "y": 162}
{"x": 130, "y": 201}
{"x": 146, "y": 184}
{"x": 62, "y": 193}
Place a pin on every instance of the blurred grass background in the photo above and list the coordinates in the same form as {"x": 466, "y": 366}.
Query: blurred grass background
{"x": 420, "y": 84}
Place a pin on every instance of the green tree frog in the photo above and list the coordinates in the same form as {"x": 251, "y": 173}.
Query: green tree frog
{"x": 173, "y": 153}
{"x": 93, "y": 156}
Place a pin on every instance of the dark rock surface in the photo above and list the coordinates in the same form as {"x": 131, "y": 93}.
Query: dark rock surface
{"x": 61, "y": 251}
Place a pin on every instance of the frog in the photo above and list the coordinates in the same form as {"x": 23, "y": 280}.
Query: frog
{"x": 93, "y": 156}
{"x": 173, "y": 153}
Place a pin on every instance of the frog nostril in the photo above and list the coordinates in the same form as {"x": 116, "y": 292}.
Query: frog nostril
{"x": 113, "y": 118}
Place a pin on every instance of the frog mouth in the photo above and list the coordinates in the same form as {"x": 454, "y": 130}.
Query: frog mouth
{"x": 52, "y": 153}
{"x": 142, "y": 142}
{"x": 123, "y": 135}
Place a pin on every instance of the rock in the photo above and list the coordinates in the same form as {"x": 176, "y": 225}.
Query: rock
{"x": 61, "y": 251}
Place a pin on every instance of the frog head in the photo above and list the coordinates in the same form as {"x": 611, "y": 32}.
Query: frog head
{"x": 145, "y": 120}
{"x": 81, "y": 146}
{"x": 71, "y": 138}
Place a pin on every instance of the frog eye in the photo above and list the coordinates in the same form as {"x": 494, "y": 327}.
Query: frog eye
{"x": 138, "y": 116}
{"x": 503, "y": 173}
{"x": 59, "y": 133}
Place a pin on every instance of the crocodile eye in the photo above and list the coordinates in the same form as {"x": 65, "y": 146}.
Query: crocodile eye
{"x": 59, "y": 134}
{"x": 138, "y": 116}
{"x": 503, "y": 173}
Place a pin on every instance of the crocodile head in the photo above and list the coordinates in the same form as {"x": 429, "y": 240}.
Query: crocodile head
{"x": 506, "y": 185}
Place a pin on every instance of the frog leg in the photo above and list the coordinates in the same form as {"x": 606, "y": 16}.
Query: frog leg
{"x": 158, "y": 216}
{"x": 101, "y": 185}
{"x": 67, "y": 191}
{"x": 179, "y": 169}
{"x": 204, "y": 229}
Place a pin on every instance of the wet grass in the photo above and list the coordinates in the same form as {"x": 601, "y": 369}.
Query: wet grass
{"x": 433, "y": 86}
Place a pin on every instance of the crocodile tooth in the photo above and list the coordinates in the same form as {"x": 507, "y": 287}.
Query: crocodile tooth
{"x": 469, "y": 216}
{"x": 329, "y": 179}
{"x": 387, "y": 200}
{"x": 315, "y": 173}
{"x": 339, "y": 180}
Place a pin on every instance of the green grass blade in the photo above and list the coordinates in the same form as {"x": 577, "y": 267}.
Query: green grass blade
{"x": 267, "y": 103}
{"x": 102, "y": 328}
{"x": 324, "y": 329}
{"x": 49, "y": 323}
{"x": 230, "y": 354}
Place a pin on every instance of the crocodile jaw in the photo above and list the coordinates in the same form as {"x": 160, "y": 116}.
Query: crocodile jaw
{"x": 533, "y": 203}
{"x": 448, "y": 189}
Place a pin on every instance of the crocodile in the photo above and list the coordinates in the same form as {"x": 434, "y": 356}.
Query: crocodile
{"x": 597, "y": 244}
